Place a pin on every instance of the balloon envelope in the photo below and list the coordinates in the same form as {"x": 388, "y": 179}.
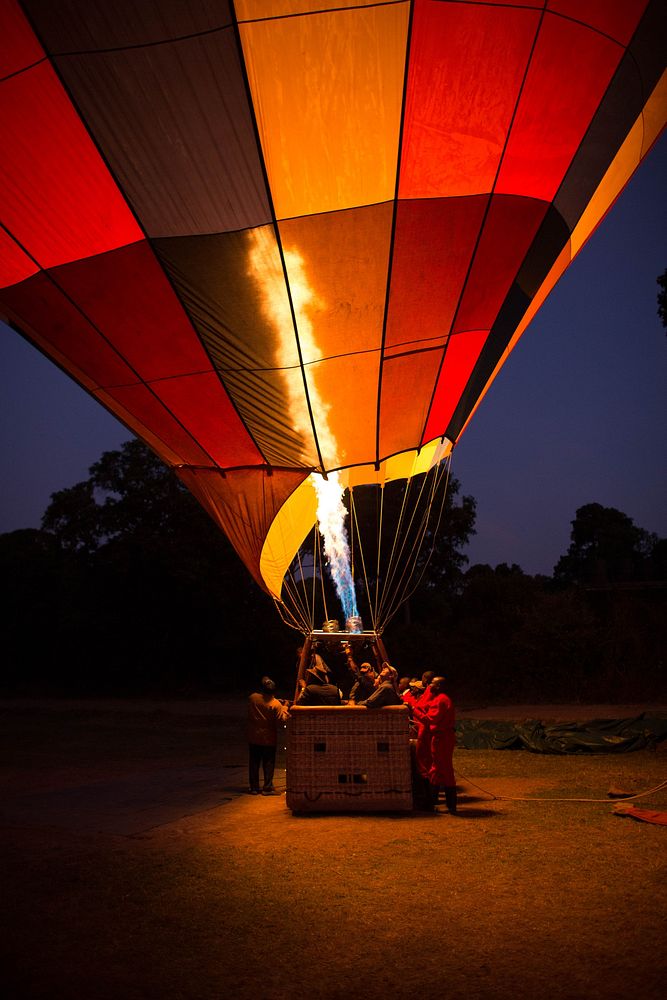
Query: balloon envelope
{"x": 273, "y": 238}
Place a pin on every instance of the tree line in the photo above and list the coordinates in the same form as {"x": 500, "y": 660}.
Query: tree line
{"x": 130, "y": 588}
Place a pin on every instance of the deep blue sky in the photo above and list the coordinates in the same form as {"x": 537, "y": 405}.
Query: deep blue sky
{"x": 578, "y": 414}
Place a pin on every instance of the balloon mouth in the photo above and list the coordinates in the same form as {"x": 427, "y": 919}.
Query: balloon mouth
{"x": 286, "y": 533}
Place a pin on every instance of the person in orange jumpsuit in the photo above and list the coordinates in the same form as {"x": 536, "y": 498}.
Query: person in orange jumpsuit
{"x": 439, "y": 720}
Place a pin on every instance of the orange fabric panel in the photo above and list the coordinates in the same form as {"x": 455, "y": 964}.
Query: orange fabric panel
{"x": 15, "y": 265}
{"x": 617, "y": 18}
{"x": 244, "y": 503}
{"x": 407, "y": 386}
{"x": 247, "y": 10}
{"x": 337, "y": 268}
{"x": 327, "y": 91}
{"x": 343, "y": 394}
{"x": 466, "y": 67}
{"x": 432, "y": 252}
{"x": 568, "y": 76}
{"x": 462, "y": 352}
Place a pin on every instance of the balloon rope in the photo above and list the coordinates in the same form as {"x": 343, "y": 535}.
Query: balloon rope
{"x": 355, "y": 522}
{"x": 377, "y": 568}
{"x": 303, "y": 582}
{"x": 322, "y": 568}
{"x": 417, "y": 546}
{"x": 283, "y": 610}
{"x": 312, "y": 613}
{"x": 388, "y": 596}
{"x": 391, "y": 570}
{"x": 439, "y": 475}
{"x": 297, "y": 607}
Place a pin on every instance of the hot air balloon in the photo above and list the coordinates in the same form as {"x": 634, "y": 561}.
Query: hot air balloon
{"x": 285, "y": 243}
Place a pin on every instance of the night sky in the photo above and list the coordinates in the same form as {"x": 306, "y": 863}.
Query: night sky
{"x": 577, "y": 415}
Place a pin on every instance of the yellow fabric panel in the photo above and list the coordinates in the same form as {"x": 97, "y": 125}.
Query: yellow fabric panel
{"x": 247, "y": 10}
{"x": 639, "y": 140}
{"x": 327, "y": 91}
{"x": 298, "y": 514}
{"x": 288, "y": 530}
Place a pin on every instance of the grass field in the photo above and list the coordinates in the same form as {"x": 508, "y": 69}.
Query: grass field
{"x": 134, "y": 867}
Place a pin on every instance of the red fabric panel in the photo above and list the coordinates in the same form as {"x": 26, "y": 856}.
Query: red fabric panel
{"x": 203, "y": 406}
{"x": 569, "y": 73}
{"x": 14, "y": 264}
{"x": 462, "y": 353}
{"x": 508, "y": 232}
{"x": 243, "y": 503}
{"x": 433, "y": 247}
{"x": 617, "y": 18}
{"x": 467, "y": 62}
{"x": 58, "y": 327}
{"x": 140, "y": 402}
{"x": 19, "y": 46}
{"x": 127, "y": 296}
{"x": 57, "y": 196}
{"x": 407, "y": 387}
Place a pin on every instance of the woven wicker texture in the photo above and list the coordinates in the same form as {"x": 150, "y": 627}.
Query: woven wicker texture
{"x": 348, "y": 759}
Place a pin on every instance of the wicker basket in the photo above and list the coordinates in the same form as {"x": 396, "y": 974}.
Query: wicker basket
{"x": 348, "y": 759}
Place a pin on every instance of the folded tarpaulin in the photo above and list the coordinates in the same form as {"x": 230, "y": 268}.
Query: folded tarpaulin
{"x": 596, "y": 736}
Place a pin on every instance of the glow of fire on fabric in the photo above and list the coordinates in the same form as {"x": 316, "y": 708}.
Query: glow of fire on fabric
{"x": 266, "y": 269}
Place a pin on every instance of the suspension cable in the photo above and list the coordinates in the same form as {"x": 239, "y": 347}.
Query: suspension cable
{"x": 407, "y": 595}
{"x": 355, "y": 523}
{"x": 390, "y": 595}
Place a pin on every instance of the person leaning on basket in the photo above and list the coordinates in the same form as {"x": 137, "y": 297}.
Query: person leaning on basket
{"x": 386, "y": 689}
{"x": 317, "y": 689}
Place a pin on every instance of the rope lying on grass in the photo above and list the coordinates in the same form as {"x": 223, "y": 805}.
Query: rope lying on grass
{"x": 544, "y": 798}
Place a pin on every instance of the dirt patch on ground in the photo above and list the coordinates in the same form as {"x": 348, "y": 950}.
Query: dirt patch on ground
{"x": 236, "y": 897}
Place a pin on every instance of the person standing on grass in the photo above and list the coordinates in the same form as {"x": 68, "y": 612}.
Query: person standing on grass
{"x": 265, "y": 715}
{"x": 438, "y": 719}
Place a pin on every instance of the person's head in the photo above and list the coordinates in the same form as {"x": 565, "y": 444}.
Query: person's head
{"x": 389, "y": 673}
{"x": 427, "y": 677}
{"x": 416, "y": 685}
{"x": 403, "y": 684}
{"x": 316, "y": 674}
{"x": 268, "y": 686}
{"x": 437, "y": 685}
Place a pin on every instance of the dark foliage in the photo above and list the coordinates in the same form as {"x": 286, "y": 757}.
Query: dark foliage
{"x": 662, "y": 297}
{"x": 130, "y": 588}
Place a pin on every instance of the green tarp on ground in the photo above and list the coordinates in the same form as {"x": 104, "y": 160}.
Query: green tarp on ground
{"x": 597, "y": 736}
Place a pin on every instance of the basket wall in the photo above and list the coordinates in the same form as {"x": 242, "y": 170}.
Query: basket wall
{"x": 348, "y": 759}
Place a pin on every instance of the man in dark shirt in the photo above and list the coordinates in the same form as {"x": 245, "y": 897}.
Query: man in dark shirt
{"x": 364, "y": 686}
{"x": 318, "y": 690}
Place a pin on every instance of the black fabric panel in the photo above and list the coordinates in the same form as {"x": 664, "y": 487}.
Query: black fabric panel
{"x": 211, "y": 276}
{"x": 508, "y": 319}
{"x": 174, "y": 125}
{"x": 552, "y": 236}
{"x": 86, "y": 25}
{"x": 638, "y": 73}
